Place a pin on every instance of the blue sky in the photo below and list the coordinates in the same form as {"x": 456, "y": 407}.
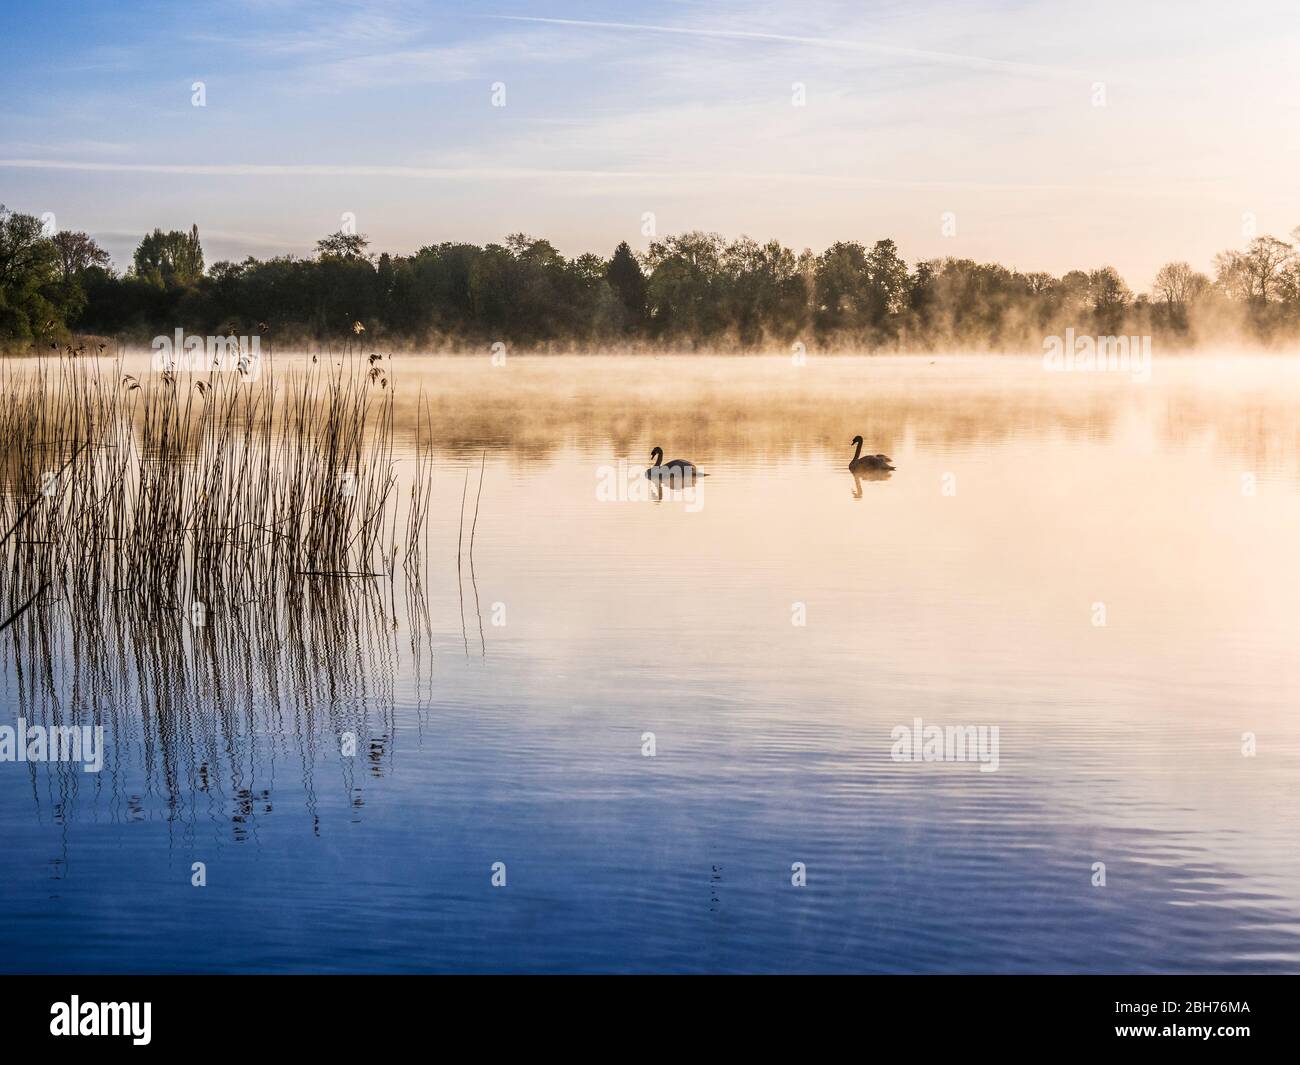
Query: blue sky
{"x": 684, "y": 110}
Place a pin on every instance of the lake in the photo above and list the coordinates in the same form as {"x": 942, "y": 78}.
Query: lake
{"x": 645, "y": 730}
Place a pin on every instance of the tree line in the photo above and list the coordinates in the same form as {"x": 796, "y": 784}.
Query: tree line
{"x": 689, "y": 291}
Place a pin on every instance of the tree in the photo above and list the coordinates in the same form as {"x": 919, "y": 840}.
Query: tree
{"x": 764, "y": 291}
{"x": 920, "y": 297}
{"x": 857, "y": 290}
{"x": 628, "y": 282}
{"x": 1253, "y": 275}
{"x": 77, "y": 253}
{"x": 1109, "y": 295}
{"x": 1177, "y": 284}
{"x": 25, "y": 251}
{"x": 385, "y": 273}
{"x": 1039, "y": 283}
{"x": 887, "y": 282}
{"x": 171, "y": 258}
{"x": 838, "y": 278}
{"x": 342, "y": 245}
{"x": 533, "y": 251}
{"x": 589, "y": 269}
{"x": 685, "y": 285}
{"x": 1288, "y": 283}
{"x": 31, "y": 303}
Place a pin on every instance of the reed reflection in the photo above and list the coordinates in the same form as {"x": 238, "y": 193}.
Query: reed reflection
{"x": 199, "y": 716}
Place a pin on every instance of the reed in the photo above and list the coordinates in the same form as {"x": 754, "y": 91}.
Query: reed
{"x": 169, "y": 490}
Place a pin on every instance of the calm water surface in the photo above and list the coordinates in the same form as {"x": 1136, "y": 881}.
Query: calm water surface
{"x": 501, "y": 716}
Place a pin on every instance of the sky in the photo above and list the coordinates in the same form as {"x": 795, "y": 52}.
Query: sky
{"x": 1046, "y": 136}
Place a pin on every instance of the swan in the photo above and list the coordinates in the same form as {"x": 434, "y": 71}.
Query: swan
{"x": 677, "y": 470}
{"x": 862, "y": 462}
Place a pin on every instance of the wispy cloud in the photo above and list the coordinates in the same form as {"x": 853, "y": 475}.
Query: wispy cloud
{"x": 444, "y": 62}
{"x": 70, "y": 147}
{"x": 315, "y": 170}
{"x": 365, "y": 48}
{"x": 535, "y": 174}
{"x": 839, "y": 44}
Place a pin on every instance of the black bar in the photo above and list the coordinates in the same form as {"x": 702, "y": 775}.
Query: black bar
{"x": 252, "y": 1014}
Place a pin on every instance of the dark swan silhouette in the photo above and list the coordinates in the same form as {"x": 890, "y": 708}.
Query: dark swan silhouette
{"x": 861, "y": 463}
{"x": 678, "y": 471}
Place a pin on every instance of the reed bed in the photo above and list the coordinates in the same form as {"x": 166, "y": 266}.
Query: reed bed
{"x": 185, "y": 492}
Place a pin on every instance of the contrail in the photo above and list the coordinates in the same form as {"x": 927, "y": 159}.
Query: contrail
{"x": 949, "y": 58}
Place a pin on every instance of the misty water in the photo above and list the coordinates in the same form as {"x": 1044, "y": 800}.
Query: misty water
{"x": 1102, "y": 568}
